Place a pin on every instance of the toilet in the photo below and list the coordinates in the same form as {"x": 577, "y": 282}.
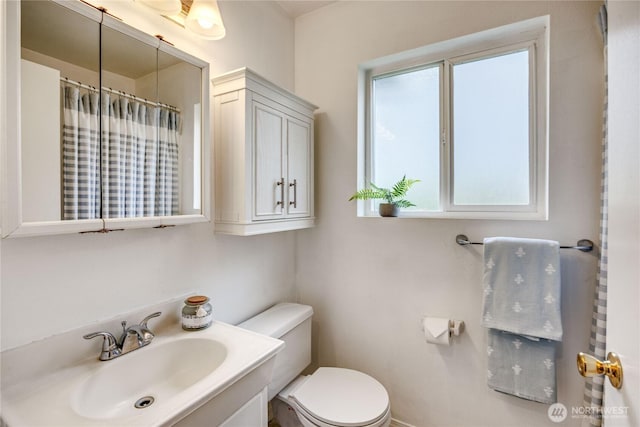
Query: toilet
{"x": 330, "y": 397}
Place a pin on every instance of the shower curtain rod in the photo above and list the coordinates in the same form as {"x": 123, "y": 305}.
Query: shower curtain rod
{"x": 584, "y": 245}
{"x": 121, "y": 93}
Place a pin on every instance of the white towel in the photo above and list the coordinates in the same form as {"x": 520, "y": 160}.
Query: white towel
{"x": 522, "y": 287}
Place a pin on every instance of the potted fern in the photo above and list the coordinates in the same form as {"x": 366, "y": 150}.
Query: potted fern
{"x": 394, "y": 197}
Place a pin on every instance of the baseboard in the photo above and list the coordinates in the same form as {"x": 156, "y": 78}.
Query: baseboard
{"x": 397, "y": 423}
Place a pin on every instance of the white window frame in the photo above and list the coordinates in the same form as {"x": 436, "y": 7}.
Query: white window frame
{"x": 531, "y": 35}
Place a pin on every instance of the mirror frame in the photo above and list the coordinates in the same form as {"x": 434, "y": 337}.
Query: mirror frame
{"x": 11, "y": 143}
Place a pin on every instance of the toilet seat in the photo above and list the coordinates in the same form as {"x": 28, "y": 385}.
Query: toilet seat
{"x": 341, "y": 397}
{"x": 309, "y": 421}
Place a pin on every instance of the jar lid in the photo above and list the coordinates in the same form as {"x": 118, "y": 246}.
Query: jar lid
{"x": 196, "y": 300}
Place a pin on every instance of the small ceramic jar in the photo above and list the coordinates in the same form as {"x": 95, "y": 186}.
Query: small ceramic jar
{"x": 197, "y": 313}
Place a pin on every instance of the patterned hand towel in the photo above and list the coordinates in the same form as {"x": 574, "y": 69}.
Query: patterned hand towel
{"x": 522, "y": 287}
{"x": 522, "y": 367}
{"x": 522, "y": 311}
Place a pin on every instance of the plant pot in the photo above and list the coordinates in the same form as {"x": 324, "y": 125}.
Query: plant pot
{"x": 388, "y": 210}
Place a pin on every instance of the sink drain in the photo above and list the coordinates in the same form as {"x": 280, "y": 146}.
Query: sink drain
{"x": 144, "y": 402}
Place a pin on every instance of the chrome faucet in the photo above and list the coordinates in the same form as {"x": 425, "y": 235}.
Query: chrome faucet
{"x": 132, "y": 338}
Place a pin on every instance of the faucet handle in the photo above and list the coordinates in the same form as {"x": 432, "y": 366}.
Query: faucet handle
{"x": 143, "y": 324}
{"x": 147, "y": 335}
{"x": 110, "y": 349}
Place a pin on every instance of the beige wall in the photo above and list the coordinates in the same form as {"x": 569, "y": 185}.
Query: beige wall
{"x": 371, "y": 280}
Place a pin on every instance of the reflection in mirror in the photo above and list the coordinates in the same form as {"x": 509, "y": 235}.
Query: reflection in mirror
{"x": 179, "y": 85}
{"x": 51, "y": 53}
{"x": 112, "y": 122}
{"x": 139, "y": 136}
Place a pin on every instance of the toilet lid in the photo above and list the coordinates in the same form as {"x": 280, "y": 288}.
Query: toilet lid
{"x": 342, "y": 397}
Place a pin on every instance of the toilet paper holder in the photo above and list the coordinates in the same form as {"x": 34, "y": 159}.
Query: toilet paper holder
{"x": 438, "y": 330}
{"x": 456, "y": 327}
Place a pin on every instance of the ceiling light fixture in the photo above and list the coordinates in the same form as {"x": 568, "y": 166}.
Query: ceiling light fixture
{"x": 201, "y": 17}
{"x": 205, "y": 20}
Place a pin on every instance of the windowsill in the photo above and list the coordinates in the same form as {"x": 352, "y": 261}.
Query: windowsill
{"x": 504, "y": 216}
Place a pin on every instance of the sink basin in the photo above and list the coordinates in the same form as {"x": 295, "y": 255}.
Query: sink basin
{"x": 179, "y": 376}
{"x": 150, "y": 375}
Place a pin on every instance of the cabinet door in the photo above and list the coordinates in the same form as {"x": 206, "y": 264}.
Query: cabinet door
{"x": 299, "y": 167}
{"x": 59, "y": 115}
{"x": 269, "y": 178}
{"x": 253, "y": 413}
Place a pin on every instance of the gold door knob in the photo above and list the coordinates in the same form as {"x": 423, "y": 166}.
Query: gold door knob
{"x": 589, "y": 366}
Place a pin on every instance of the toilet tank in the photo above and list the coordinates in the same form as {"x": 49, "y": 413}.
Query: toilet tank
{"x": 291, "y": 323}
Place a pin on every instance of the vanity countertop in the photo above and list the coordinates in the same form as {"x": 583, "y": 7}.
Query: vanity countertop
{"x": 56, "y": 397}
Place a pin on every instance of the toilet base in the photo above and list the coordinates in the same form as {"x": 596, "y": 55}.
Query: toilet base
{"x": 284, "y": 414}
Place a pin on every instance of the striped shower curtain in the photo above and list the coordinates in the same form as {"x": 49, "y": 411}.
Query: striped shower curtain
{"x": 135, "y": 165}
{"x": 80, "y": 156}
{"x": 594, "y": 387}
{"x": 166, "y": 202}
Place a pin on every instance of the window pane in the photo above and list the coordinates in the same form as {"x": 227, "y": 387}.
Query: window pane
{"x": 406, "y": 123}
{"x": 491, "y": 131}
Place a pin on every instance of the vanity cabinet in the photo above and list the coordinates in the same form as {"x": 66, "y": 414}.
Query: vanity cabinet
{"x": 263, "y": 143}
{"x": 111, "y": 129}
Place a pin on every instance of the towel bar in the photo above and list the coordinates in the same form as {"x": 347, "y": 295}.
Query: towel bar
{"x": 584, "y": 245}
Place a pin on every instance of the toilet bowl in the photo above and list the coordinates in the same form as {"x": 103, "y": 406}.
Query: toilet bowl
{"x": 330, "y": 397}
{"x": 338, "y": 397}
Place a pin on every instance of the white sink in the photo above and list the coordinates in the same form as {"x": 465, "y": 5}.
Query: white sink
{"x": 222, "y": 366}
{"x": 151, "y": 376}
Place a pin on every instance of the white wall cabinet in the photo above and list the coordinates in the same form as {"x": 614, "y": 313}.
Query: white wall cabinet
{"x": 263, "y": 139}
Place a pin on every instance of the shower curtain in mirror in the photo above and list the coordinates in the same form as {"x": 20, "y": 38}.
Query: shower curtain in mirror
{"x": 594, "y": 387}
{"x": 80, "y": 156}
{"x": 132, "y": 171}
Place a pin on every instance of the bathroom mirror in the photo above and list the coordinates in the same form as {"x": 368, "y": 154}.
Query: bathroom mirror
{"x": 49, "y": 54}
{"x": 113, "y": 126}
